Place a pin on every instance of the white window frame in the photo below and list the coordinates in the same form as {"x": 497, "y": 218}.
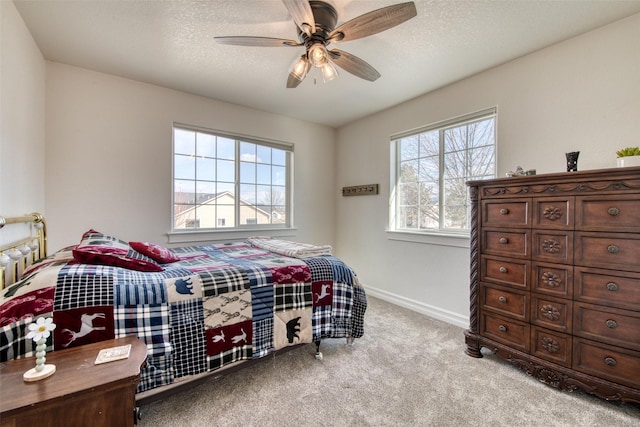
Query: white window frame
{"x": 440, "y": 235}
{"x": 179, "y": 235}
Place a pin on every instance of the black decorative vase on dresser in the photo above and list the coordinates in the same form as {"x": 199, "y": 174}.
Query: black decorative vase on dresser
{"x": 555, "y": 278}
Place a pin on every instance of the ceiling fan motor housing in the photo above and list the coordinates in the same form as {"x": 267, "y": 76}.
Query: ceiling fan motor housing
{"x": 326, "y": 19}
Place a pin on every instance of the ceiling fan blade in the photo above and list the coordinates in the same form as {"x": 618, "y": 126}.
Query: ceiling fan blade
{"x": 374, "y": 22}
{"x": 256, "y": 41}
{"x": 293, "y": 82}
{"x": 354, "y": 65}
{"x": 300, "y": 11}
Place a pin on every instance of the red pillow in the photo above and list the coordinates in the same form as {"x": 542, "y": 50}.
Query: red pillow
{"x": 101, "y": 249}
{"x": 131, "y": 260}
{"x": 156, "y": 252}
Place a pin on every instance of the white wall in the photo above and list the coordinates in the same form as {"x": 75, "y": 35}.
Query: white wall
{"x": 22, "y": 120}
{"x": 579, "y": 95}
{"x": 109, "y": 153}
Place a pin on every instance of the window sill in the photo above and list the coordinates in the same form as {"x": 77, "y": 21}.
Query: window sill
{"x": 226, "y": 235}
{"x": 440, "y": 239}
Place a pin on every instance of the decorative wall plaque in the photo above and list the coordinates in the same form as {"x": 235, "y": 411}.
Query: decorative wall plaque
{"x": 360, "y": 190}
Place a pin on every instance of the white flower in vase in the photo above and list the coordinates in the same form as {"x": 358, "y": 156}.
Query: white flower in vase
{"x": 39, "y": 331}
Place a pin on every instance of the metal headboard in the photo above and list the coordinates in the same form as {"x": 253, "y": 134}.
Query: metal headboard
{"x": 17, "y": 256}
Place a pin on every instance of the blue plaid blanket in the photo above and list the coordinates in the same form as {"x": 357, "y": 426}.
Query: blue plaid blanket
{"x": 219, "y": 304}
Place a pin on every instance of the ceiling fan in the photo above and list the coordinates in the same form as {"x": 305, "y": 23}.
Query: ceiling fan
{"x": 316, "y": 25}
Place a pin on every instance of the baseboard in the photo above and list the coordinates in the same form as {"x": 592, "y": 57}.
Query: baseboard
{"x": 426, "y": 309}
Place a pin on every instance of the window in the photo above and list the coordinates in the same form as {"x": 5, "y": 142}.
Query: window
{"x": 223, "y": 181}
{"x": 430, "y": 168}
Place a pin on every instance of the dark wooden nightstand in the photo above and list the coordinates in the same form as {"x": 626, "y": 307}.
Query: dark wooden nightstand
{"x": 79, "y": 393}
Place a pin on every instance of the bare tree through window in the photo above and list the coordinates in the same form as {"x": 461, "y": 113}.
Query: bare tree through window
{"x": 432, "y": 168}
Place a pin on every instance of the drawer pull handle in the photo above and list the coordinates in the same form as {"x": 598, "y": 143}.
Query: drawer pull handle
{"x": 612, "y": 286}
{"x": 502, "y": 328}
{"x": 610, "y": 361}
{"x": 503, "y": 240}
{"x": 502, "y": 299}
{"x": 504, "y": 211}
{"x": 549, "y": 344}
{"x": 550, "y": 311}
{"x": 551, "y": 246}
{"x": 551, "y": 279}
{"x": 613, "y": 249}
{"x": 613, "y": 211}
{"x": 503, "y": 269}
{"x": 611, "y": 324}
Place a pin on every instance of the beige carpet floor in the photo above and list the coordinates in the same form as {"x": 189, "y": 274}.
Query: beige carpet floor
{"x": 408, "y": 370}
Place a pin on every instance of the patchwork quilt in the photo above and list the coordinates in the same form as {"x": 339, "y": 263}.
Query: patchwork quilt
{"x": 216, "y": 305}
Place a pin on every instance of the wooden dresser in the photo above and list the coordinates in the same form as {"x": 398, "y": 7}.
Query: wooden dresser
{"x": 555, "y": 278}
{"x": 78, "y": 394}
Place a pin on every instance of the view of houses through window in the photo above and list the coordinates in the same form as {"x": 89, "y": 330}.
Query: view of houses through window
{"x": 222, "y": 181}
{"x": 431, "y": 167}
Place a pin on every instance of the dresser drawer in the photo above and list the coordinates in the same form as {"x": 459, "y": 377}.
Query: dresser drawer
{"x": 553, "y": 246}
{"x": 552, "y": 279}
{"x": 506, "y": 213}
{"x": 507, "y": 242}
{"x": 506, "y": 302}
{"x": 608, "y": 287}
{"x": 608, "y": 362}
{"x": 513, "y": 333}
{"x": 552, "y": 313}
{"x": 608, "y": 250}
{"x": 608, "y": 213}
{"x": 505, "y": 271}
{"x": 611, "y": 325}
{"x": 553, "y": 212}
{"x": 552, "y": 346}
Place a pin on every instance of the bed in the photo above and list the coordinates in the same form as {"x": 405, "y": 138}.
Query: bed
{"x": 199, "y": 309}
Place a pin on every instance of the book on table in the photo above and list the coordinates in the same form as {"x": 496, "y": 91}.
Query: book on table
{"x": 113, "y": 353}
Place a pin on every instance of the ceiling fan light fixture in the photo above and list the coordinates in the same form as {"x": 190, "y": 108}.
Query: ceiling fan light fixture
{"x": 300, "y": 67}
{"x": 329, "y": 72}
{"x": 318, "y": 54}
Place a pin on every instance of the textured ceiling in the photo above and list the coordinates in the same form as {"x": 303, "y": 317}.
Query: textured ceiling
{"x": 170, "y": 43}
